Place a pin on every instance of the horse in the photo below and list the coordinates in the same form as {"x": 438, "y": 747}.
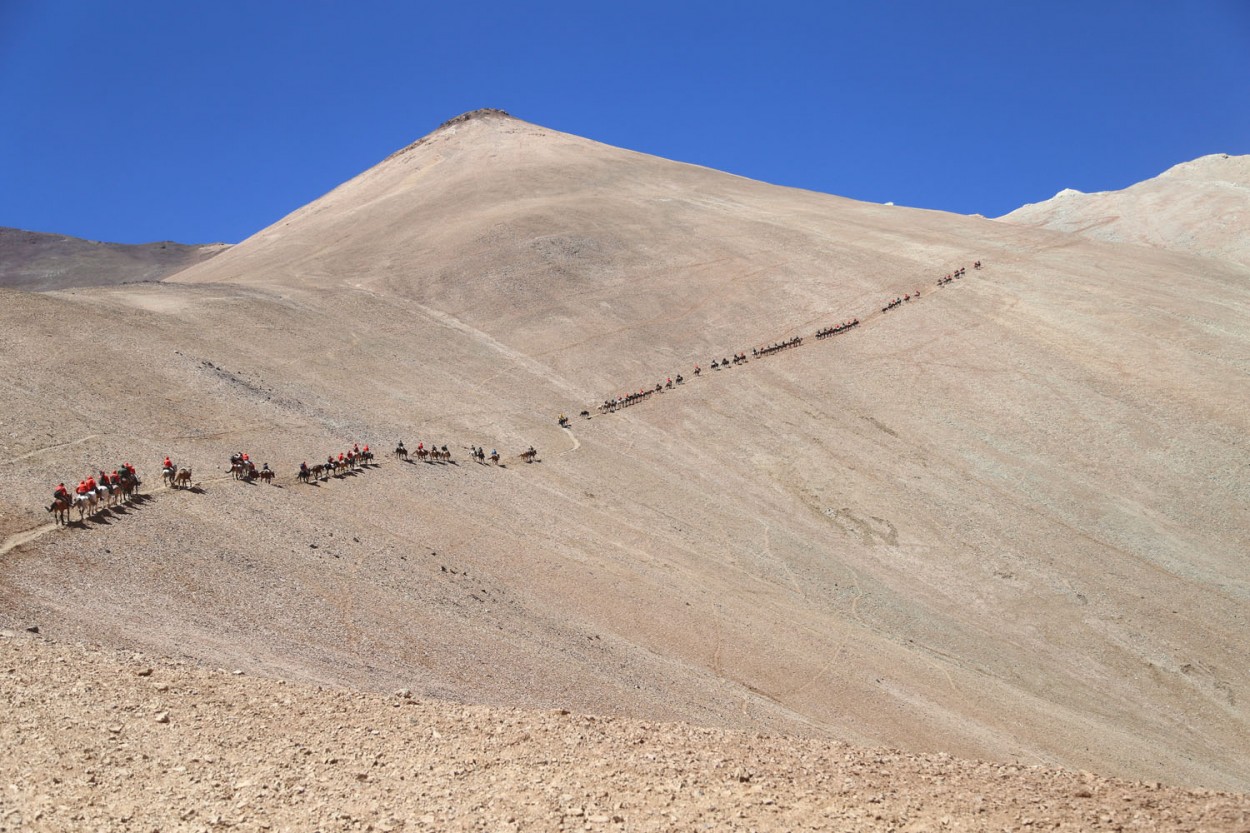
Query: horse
{"x": 237, "y": 470}
{"x": 494, "y": 457}
{"x": 529, "y": 455}
{"x": 423, "y": 455}
{"x": 60, "y": 511}
{"x": 182, "y": 479}
{"x": 167, "y": 475}
{"x": 266, "y": 475}
{"x": 401, "y": 452}
{"x": 318, "y": 471}
{"x": 86, "y": 504}
{"x": 366, "y": 457}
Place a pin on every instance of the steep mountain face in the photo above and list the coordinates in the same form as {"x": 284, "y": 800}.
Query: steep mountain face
{"x": 1200, "y": 207}
{"x": 1004, "y": 520}
{"x": 34, "y": 261}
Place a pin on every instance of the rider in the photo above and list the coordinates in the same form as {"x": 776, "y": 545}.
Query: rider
{"x": 366, "y": 451}
{"x": 61, "y": 492}
{"x": 91, "y": 484}
{"x": 167, "y": 463}
{"x": 355, "y": 448}
{"x": 115, "y": 479}
{"x": 265, "y": 467}
{"x": 81, "y": 489}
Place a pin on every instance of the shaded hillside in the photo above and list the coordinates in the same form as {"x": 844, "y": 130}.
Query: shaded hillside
{"x": 1200, "y": 207}
{"x": 34, "y": 261}
{"x": 1001, "y": 521}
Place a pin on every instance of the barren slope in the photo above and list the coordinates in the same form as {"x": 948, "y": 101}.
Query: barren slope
{"x": 1004, "y": 521}
{"x": 98, "y": 740}
{"x": 1199, "y": 207}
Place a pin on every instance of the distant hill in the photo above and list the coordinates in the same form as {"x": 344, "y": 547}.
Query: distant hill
{"x": 1199, "y": 207}
{"x": 41, "y": 262}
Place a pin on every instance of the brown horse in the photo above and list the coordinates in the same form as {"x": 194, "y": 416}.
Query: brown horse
{"x": 182, "y": 479}
{"x": 318, "y": 471}
{"x": 529, "y": 455}
{"x": 266, "y": 475}
{"x": 60, "y": 511}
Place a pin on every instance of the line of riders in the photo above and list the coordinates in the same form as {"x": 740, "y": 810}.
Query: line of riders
{"x": 624, "y": 401}
{"x": 92, "y": 495}
{"x": 345, "y": 462}
{"x": 477, "y": 453}
{"x": 434, "y": 454}
{"x": 838, "y": 330}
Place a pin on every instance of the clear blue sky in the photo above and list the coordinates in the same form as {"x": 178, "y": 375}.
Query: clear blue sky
{"x": 196, "y": 121}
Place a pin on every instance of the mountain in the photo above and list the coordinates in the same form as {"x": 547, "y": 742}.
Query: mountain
{"x": 40, "y": 262}
{"x": 1200, "y": 207}
{"x": 1004, "y": 520}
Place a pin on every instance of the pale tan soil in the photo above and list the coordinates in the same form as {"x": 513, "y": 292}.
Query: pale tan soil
{"x": 100, "y": 740}
{"x": 35, "y": 261}
{"x": 1005, "y": 522}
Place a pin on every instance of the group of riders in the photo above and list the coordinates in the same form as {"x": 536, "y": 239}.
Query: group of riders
{"x": 435, "y": 454}
{"x": 346, "y": 461}
{"x": 841, "y": 328}
{"x": 92, "y": 492}
{"x": 243, "y": 467}
{"x": 958, "y": 273}
{"x": 625, "y": 400}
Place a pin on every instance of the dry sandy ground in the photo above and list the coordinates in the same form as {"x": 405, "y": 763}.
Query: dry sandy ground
{"x": 40, "y": 262}
{"x": 1004, "y": 522}
{"x": 103, "y": 740}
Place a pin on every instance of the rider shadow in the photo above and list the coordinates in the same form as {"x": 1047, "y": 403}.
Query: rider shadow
{"x": 198, "y": 490}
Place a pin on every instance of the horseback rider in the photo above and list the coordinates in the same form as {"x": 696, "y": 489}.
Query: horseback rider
{"x": 61, "y": 493}
{"x": 264, "y": 467}
{"x": 303, "y": 467}
{"x": 366, "y": 451}
{"x": 167, "y": 463}
{"x": 400, "y": 447}
{"x": 81, "y": 489}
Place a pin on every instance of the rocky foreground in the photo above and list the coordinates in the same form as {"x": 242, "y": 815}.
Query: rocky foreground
{"x": 95, "y": 739}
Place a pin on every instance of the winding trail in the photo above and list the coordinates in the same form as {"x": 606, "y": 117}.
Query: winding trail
{"x": 17, "y": 539}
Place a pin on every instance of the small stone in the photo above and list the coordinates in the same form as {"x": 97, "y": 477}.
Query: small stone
{"x": 404, "y": 693}
{"x": 238, "y": 672}
{"x": 162, "y": 717}
{"x": 161, "y": 686}
{"x": 33, "y": 629}
{"x": 145, "y": 672}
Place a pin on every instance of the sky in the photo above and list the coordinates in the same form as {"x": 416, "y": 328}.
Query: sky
{"x": 200, "y": 122}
